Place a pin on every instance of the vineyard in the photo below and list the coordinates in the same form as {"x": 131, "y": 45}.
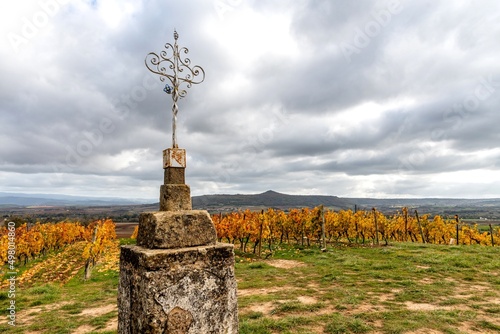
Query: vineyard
{"x": 315, "y": 226}
{"x": 250, "y": 229}
{"x": 301, "y": 289}
{"x": 87, "y": 243}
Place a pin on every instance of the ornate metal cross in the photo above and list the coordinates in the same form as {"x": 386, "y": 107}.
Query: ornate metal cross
{"x": 170, "y": 59}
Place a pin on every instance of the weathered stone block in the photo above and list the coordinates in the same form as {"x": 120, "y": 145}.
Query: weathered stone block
{"x": 175, "y": 197}
{"x": 188, "y": 290}
{"x": 176, "y": 229}
{"x": 173, "y": 175}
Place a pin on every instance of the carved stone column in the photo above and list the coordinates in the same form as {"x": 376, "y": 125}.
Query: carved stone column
{"x": 177, "y": 279}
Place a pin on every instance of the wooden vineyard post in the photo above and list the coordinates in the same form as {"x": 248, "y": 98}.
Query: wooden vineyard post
{"x": 376, "y": 225}
{"x": 260, "y": 231}
{"x": 456, "y": 219}
{"x": 323, "y": 238}
{"x": 491, "y": 235}
{"x": 405, "y": 211}
{"x": 90, "y": 261}
{"x": 420, "y": 227}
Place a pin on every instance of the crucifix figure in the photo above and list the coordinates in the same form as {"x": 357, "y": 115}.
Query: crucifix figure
{"x": 170, "y": 60}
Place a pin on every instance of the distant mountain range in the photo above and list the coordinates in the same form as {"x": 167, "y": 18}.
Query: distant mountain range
{"x": 268, "y": 199}
{"x": 428, "y": 202}
{"x": 283, "y": 201}
{"x": 23, "y": 200}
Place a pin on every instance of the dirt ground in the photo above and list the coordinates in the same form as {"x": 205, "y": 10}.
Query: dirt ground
{"x": 124, "y": 230}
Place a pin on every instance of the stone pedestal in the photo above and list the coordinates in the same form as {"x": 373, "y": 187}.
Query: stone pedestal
{"x": 177, "y": 279}
{"x": 186, "y": 290}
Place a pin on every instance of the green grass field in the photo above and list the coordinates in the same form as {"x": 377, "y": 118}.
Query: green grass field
{"x": 402, "y": 288}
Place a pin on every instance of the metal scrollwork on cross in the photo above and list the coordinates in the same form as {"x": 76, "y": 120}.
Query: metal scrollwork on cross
{"x": 170, "y": 60}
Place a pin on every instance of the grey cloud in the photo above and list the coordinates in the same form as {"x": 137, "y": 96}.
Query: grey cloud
{"x": 81, "y": 72}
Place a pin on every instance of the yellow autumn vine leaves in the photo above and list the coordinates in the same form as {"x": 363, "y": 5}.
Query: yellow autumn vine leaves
{"x": 37, "y": 240}
{"x": 304, "y": 226}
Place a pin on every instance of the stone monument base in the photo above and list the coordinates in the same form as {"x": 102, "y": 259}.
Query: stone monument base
{"x": 183, "y": 291}
{"x": 176, "y": 229}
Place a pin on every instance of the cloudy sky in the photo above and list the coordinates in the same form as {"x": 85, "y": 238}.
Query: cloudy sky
{"x": 348, "y": 98}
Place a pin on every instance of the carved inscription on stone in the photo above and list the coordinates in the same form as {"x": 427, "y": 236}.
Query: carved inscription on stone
{"x": 178, "y": 321}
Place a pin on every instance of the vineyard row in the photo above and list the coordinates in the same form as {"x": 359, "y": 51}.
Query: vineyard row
{"x": 39, "y": 239}
{"x": 264, "y": 229}
{"x": 318, "y": 225}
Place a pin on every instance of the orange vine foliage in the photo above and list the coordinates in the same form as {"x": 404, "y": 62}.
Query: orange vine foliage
{"x": 39, "y": 239}
{"x": 134, "y": 234}
{"x": 303, "y": 226}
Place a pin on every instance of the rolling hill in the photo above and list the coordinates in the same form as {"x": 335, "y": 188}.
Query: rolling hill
{"x": 268, "y": 199}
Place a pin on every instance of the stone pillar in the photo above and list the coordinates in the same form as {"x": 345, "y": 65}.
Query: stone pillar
{"x": 177, "y": 279}
{"x": 175, "y": 194}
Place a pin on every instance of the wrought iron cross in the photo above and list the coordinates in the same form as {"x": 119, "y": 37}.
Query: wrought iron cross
{"x": 170, "y": 59}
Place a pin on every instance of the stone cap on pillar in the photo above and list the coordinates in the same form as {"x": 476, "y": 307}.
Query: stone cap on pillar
{"x": 176, "y": 229}
{"x": 174, "y": 157}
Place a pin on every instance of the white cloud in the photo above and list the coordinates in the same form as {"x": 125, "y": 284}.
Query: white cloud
{"x": 117, "y": 12}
